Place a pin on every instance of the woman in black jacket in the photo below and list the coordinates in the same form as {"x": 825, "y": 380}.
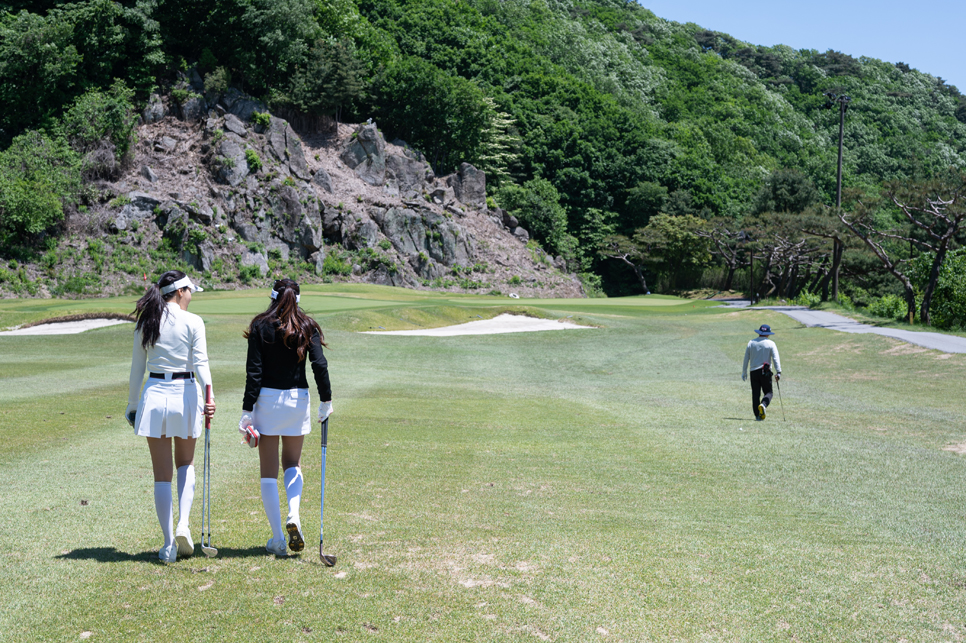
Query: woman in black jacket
{"x": 276, "y": 403}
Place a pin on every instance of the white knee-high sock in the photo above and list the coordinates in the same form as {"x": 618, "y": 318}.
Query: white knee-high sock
{"x": 293, "y": 491}
{"x": 164, "y": 505}
{"x": 272, "y": 506}
{"x": 186, "y": 493}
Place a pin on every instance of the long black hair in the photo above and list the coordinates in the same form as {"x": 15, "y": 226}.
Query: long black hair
{"x": 152, "y": 307}
{"x": 297, "y": 328}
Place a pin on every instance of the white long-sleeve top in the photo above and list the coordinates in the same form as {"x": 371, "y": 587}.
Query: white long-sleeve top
{"x": 759, "y": 351}
{"x": 181, "y": 348}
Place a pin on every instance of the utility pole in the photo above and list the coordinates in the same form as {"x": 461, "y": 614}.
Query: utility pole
{"x": 843, "y": 103}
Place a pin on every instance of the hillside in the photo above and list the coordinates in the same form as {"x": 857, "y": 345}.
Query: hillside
{"x": 589, "y": 118}
{"x": 238, "y": 203}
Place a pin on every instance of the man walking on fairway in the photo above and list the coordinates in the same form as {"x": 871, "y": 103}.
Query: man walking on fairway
{"x": 762, "y": 353}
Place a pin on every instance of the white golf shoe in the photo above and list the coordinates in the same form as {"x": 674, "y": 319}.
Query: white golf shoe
{"x": 294, "y": 528}
{"x": 168, "y": 554}
{"x": 186, "y": 546}
{"x": 276, "y": 546}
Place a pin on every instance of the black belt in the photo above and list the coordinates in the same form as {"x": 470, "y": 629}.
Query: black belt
{"x": 174, "y": 376}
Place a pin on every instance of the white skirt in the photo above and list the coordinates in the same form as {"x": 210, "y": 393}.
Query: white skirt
{"x": 169, "y": 408}
{"x": 282, "y": 412}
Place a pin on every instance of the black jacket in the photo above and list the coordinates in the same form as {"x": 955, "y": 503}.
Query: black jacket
{"x": 272, "y": 364}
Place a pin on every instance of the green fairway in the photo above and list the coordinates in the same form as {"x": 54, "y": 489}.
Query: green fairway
{"x": 608, "y": 484}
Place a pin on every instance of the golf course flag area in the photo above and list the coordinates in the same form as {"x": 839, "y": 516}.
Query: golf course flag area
{"x": 607, "y": 483}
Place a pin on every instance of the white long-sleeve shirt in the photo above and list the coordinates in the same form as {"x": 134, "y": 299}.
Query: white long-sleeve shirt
{"x": 759, "y": 351}
{"x": 181, "y": 348}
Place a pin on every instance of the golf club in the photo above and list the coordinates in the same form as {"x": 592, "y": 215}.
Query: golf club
{"x": 778, "y": 384}
{"x": 327, "y": 560}
{"x": 206, "y": 547}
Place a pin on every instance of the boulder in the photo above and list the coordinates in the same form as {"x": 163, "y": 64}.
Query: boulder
{"x": 366, "y": 155}
{"x": 235, "y": 125}
{"x": 194, "y": 109}
{"x": 521, "y": 234}
{"x": 154, "y": 111}
{"x": 202, "y": 213}
{"x": 232, "y": 164}
{"x": 119, "y": 222}
{"x": 322, "y": 179}
{"x": 242, "y": 105}
{"x": 202, "y": 259}
{"x": 252, "y": 258}
{"x": 382, "y": 276}
{"x": 442, "y": 195}
{"x": 165, "y": 144}
{"x": 472, "y": 186}
{"x": 286, "y": 146}
{"x": 405, "y": 173}
{"x": 317, "y": 259}
{"x": 148, "y": 173}
{"x": 143, "y": 201}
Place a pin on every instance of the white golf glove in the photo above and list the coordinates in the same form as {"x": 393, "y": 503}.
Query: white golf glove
{"x": 247, "y": 429}
{"x": 130, "y": 414}
{"x": 325, "y": 410}
{"x": 778, "y": 376}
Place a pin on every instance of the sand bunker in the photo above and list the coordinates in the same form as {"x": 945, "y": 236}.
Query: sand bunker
{"x": 65, "y": 328}
{"x": 504, "y": 323}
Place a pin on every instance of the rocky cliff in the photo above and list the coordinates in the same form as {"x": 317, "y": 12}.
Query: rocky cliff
{"x": 241, "y": 198}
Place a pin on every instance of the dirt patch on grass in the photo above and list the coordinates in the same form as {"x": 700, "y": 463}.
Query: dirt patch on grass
{"x": 904, "y": 349}
{"x": 958, "y": 449}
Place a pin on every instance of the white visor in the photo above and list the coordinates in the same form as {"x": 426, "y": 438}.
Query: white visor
{"x": 274, "y": 295}
{"x": 181, "y": 283}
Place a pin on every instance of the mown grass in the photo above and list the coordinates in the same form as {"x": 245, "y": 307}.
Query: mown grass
{"x": 566, "y": 486}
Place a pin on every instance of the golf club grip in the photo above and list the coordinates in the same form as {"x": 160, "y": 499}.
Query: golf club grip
{"x": 207, "y": 401}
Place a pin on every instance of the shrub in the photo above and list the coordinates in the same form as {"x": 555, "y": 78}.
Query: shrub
{"x": 888, "y": 306}
{"x": 100, "y": 116}
{"x": 809, "y": 299}
{"x": 334, "y": 264}
{"x": 263, "y": 119}
{"x": 38, "y": 174}
{"x": 385, "y": 244}
{"x": 254, "y": 163}
{"x": 248, "y": 274}
{"x": 218, "y": 81}
{"x": 515, "y": 280}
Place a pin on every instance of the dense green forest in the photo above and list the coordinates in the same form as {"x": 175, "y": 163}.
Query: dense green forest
{"x": 649, "y": 154}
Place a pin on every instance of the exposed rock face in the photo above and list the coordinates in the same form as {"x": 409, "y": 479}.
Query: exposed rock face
{"x": 286, "y": 146}
{"x": 426, "y": 232}
{"x": 379, "y": 208}
{"x": 322, "y": 179}
{"x": 194, "y": 109}
{"x": 469, "y": 186}
{"x": 233, "y": 166}
{"x": 367, "y": 155}
{"x": 154, "y": 111}
{"x": 241, "y": 105}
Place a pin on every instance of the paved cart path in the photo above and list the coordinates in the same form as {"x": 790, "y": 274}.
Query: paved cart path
{"x": 831, "y": 321}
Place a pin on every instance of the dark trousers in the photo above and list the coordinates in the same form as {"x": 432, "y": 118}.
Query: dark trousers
{"x": 760, "y": 384}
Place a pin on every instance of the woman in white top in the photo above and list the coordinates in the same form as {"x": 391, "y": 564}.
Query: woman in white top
{"x": 169, "y": 343}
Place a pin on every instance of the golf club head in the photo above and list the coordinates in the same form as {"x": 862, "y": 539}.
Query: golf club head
{"x": 327, "y": 560}
{"x": 210, "y": 552}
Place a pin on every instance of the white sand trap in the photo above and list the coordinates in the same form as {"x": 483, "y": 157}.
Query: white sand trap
{"x": 65, "y": 328}
{"x": 500, "y": 324}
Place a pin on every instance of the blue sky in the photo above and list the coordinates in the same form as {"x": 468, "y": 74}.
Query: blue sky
{"x": 928, "y": 36}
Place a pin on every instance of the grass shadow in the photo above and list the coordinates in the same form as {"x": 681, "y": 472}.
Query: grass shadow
{"x": 107, "y": 555}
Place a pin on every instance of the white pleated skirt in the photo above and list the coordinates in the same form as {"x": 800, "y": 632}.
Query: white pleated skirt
{"x": 169, "y": 409}
{"x": 282, "y": 412}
